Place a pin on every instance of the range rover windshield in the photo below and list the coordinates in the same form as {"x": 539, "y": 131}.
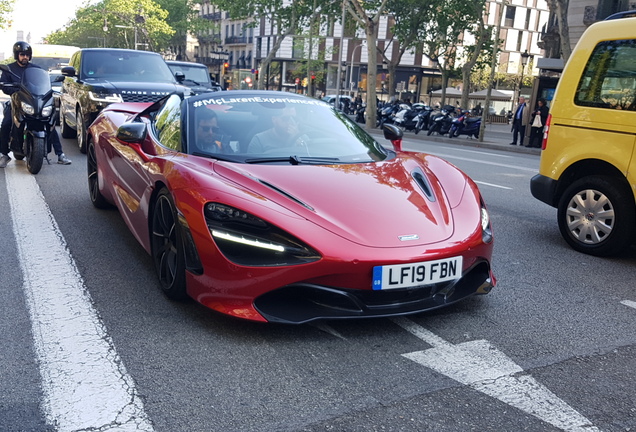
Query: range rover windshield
{"x": 135, "y": 66}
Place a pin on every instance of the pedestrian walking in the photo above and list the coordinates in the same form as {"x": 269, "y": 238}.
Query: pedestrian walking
{"x": 520, "y": 120}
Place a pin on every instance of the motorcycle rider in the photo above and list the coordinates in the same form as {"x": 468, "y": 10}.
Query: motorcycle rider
{"x": 22, "y": 54}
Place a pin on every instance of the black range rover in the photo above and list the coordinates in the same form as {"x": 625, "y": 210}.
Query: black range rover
{"x": 97, "y": 77}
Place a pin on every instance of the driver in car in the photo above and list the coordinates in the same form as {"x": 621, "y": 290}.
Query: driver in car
{"x": 283, "y": 133}
{"x": 209, "y": 136}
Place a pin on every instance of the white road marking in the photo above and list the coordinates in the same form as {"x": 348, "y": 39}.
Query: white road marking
{"x": 85, "y": 383}
{"x": 629, "y": 303}
{"x": 328, "y": 329}
{"x": 481, "y": 366}
{"x": 492, "y": 185}
{"x": 485, "y": 162}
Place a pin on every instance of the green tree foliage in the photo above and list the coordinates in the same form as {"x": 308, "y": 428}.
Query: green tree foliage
{"x": 184, "y": 18}
{"x": 6, "y": 7}
{"x": 287, "y": 18}
{"x": 97, "y": 25}
{"x": 441, "y": 35}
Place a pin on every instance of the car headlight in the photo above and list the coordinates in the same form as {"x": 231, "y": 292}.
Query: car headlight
{"x": 27, "y": 108}
{"x": 486, "y": 228}
{"x": 47, "y": 110}
{"x": 248, "y": 240}
{"x": 105, "y": 97}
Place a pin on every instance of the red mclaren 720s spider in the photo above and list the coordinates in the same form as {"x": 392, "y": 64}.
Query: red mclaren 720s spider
{"x": 274, "y": 207}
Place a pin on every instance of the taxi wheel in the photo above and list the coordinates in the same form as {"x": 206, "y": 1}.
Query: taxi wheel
{"x": 597, "y": 216}
{"x": 167, "y": 247}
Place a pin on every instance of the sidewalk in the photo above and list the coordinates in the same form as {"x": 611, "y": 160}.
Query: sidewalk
{"x": 496, "y": 136}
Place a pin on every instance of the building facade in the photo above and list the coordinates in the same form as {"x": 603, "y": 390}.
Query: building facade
{"x": 242, "y": 48}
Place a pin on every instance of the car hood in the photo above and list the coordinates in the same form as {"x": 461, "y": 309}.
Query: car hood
{"x": 394, "y": 203}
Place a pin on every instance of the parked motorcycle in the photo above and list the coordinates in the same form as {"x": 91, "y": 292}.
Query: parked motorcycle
{"x": 32, "y": 109}
{"x": 422, "y": 119}
{"x": 465, "y": 124}
{"x": 360, "y": 109}
{"x": 385, "y": 113}
{"x": 441, "y": 123}
{"x": 408, "y": 116}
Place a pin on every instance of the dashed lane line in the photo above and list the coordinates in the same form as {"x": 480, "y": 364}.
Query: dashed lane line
{"x": 629, "y": 303}
{"x": 84, "y": 381}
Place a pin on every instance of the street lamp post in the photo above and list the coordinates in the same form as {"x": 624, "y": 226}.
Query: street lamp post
{"x": 353, "y": 53}
{"x": 524, "y": 62}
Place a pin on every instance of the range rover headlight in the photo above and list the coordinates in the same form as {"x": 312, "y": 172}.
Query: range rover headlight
{"x": 104, "y": 97}
{"x": 248, "y": 240}
{"x": 28, "y": 108}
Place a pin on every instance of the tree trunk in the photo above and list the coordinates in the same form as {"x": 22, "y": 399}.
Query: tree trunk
{"x": 564, "y": 28}
{"x": 372, "y": 74}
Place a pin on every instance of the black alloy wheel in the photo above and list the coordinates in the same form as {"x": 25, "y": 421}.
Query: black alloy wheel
{"x": 167, "y": 247}
{"x": 81, "y": 131}
{"x": 97, "y": 198}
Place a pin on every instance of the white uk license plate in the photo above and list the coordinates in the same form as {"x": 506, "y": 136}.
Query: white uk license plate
{"x": 416, "y": 274}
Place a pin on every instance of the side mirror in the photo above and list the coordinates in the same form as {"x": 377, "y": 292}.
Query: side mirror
{"x": 59, "y": 78}
{"x": 132, "y": 133}
{"x": 68, "y": 71}
{"x": 180, "y": 76}
{"x": 394, "y": 134}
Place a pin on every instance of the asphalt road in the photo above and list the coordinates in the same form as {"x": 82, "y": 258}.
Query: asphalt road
{"x": 551, "y": 348}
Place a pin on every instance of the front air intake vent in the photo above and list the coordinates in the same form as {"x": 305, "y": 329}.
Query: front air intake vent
{"x": 423, "y": 183}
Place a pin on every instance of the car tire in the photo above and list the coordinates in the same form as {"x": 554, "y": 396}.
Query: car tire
{"x": 578, "y": 216}
{"x": 67, "y": 131}
{"x": 81, "y": 131}
{"x": 167, "y": 247}
{"x": 96, "y": 196}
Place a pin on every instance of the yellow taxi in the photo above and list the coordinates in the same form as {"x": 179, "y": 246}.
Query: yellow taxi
{"x": 588, "y": 169}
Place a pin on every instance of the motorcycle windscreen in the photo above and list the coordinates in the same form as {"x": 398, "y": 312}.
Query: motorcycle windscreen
{"x": 36, "y": 81}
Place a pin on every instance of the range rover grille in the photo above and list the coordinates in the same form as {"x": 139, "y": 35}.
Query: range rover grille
{"x": 141, "y": 97}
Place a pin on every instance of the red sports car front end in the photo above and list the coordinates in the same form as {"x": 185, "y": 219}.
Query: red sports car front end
{"x": 329, "y": 226}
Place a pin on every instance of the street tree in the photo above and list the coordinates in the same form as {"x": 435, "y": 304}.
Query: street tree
{"x": 441, "y": 36}
{"x": 559, "y": 8}
{"x": 184, "y": 18}
{"x": 476, "y": 55}
{"x": 117, "y": 23}
{"x": 286, "y": 17}
{"x": 6, "y": 7}
{"x": 407, "y": 16}
{"x": 367, "y": 14}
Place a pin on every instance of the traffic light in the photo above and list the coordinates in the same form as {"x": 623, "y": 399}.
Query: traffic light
{"x": 226, "y": 67}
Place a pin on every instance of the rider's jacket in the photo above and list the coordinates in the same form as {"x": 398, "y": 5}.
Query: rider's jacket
{"x": 19, "y": 71}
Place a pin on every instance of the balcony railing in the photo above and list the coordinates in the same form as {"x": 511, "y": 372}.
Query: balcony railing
{"x": 238, "y": 40}
{"x": 213, "y": 38}
{"x": 210, "y": 61}
{"x": 216, "y": 16}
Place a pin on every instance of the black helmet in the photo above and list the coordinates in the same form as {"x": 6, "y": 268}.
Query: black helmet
{"x": 22, "y": 47}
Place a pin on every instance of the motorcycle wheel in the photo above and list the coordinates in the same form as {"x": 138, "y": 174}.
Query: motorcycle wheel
{"x": 35, "y": 153}
{"x": 431, "y": 130}
{"x": 452, "y": 133}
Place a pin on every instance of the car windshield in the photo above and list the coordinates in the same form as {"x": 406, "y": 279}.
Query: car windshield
{"x": 268, "y": 127}
{"x": 192, "y": 73}
{"x": 135, "y": 66}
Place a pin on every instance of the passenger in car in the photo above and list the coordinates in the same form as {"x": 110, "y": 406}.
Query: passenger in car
{"x": 283, "y": 133}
